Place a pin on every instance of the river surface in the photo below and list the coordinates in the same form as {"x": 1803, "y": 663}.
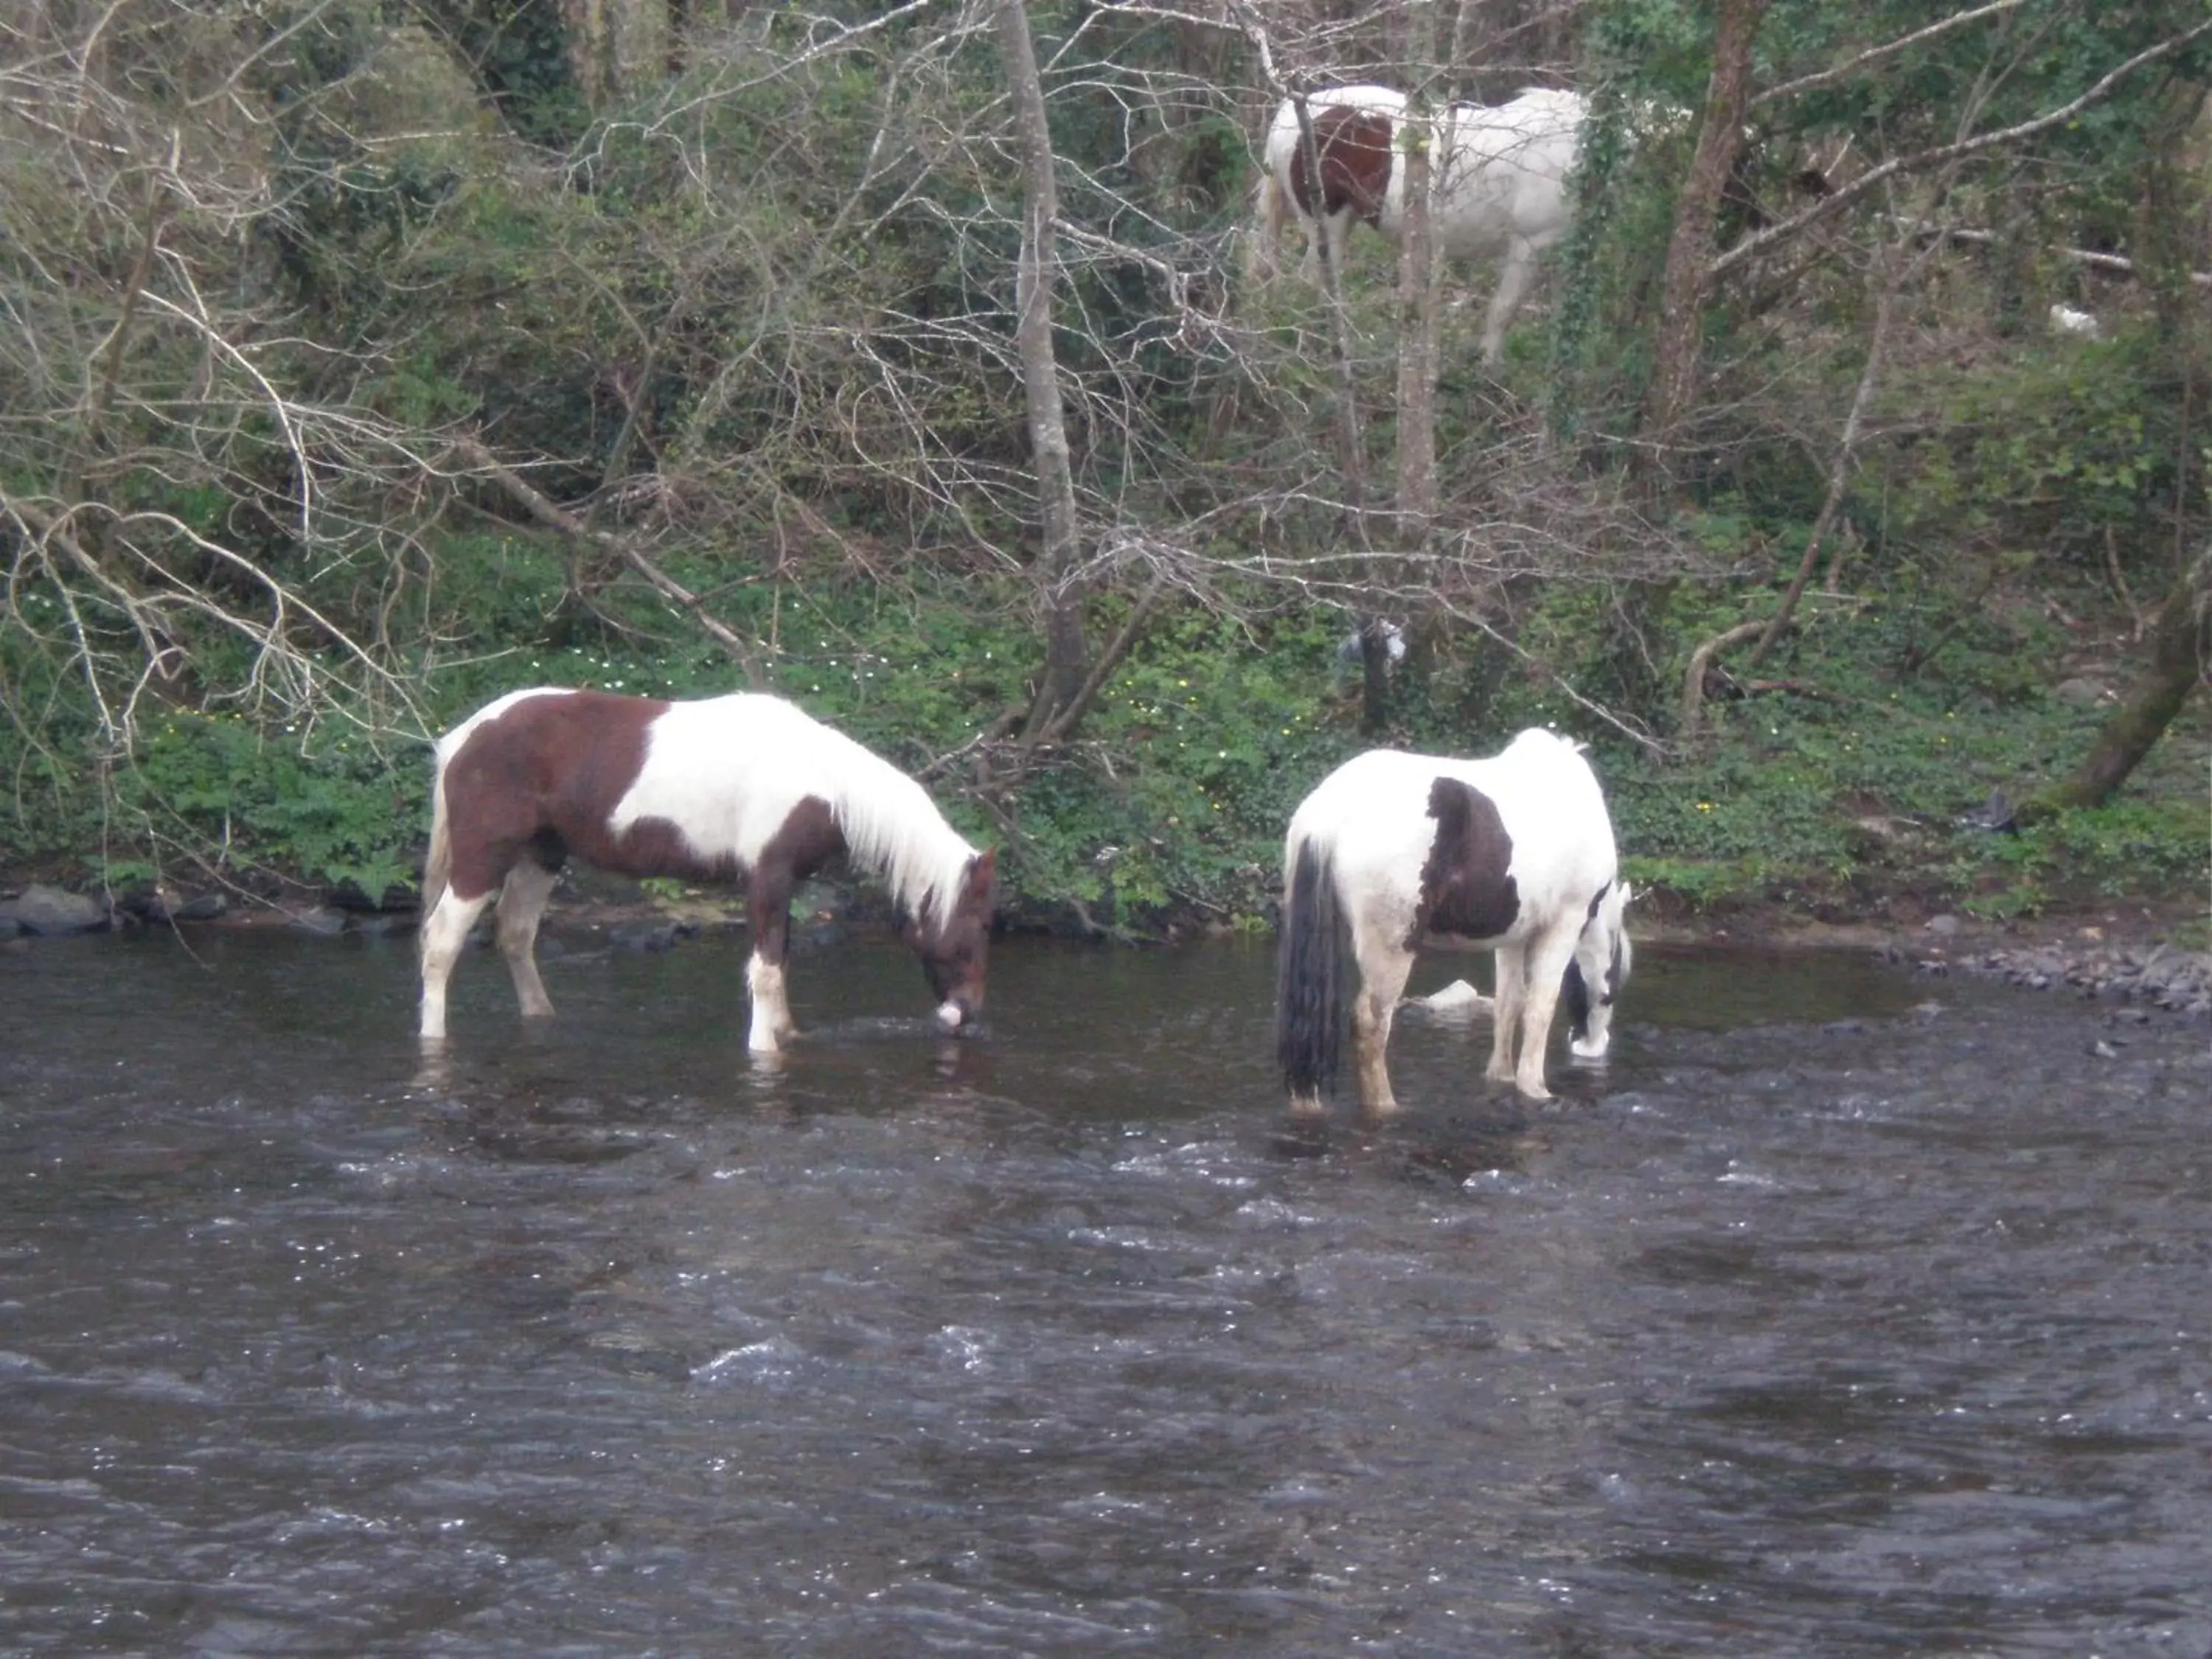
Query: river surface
{"x": 1848, "y": 1313}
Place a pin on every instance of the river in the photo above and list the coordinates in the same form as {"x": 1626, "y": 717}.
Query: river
{"x": 1847, "y": 1312}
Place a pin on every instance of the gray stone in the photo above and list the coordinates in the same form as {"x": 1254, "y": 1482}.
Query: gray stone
{"x": 2083, "y": 693}
{"x": 1944, "y": 926}
{"x": 49, "y": 910}
{"x": 323, "y": 921}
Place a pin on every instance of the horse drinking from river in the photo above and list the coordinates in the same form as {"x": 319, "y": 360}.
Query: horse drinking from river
{"x": 1394, "y": 854}
{"x": 1499, "y": 182}
{"x": 741, "y": 787}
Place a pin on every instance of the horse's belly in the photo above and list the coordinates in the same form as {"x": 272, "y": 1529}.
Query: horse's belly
{"x": 1432, "y": 941}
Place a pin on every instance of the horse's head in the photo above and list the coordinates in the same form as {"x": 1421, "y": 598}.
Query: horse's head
{"x": 954, "y": 951}
{"x": 1600, "y": 967}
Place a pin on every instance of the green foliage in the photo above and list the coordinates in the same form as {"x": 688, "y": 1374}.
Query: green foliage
{"x": 2059, "y": 451}
{"x": 344, "y": 812}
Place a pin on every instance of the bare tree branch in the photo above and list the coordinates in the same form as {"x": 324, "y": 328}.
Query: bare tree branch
{"x": 551, "y": 513}
{"x": 1888, "y": 48}
{"x": 1876, "y": 177}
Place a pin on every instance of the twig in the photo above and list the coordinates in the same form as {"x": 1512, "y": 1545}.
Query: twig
{"x": 1840, "y": 472}
{"x": 551, "y": 513}
{"x": 1828, "y": 206}
{"x": 1875, "y": 54}
{"x": 2120, "y": 584}
{"x": 1109, "y": 660}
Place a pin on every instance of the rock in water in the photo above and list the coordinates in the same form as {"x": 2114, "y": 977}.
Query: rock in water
{"x": 1457, "y": 1000}
{"x": 43, "y": 909}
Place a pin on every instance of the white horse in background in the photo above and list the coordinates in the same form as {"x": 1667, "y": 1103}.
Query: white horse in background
{"x": 1499, "y": 182}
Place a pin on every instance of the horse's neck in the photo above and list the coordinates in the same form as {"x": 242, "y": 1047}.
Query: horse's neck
{"x": 893, "y": 830}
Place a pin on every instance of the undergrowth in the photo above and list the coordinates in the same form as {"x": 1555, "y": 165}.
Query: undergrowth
{"x": 1840, "y": 796}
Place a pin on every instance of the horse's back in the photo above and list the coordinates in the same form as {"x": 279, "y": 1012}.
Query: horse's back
{"x": 588, "y": 765}
{"x": 1363, "y": 98}
{"x": 1555, "y": 798}
{"x": 735, "y": 767}
{"x": 1505, "y": 169}
{"x": 1371, "y": 789}
{"x": 1372, "y": 819}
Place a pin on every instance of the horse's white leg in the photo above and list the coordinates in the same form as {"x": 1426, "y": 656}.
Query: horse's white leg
{"x": 771, "y": 1022}
{"x": 1339, "y": 241}
{"x": 1512, "y": 988}
{"x": 1548, "y": 956}
{"x": 444, "y": 932}
{"x": 1383, "y": 971}
{"x": 767, "y": 907}
{"x": 1513, "y": 275}
{"x": 521, "y": 903}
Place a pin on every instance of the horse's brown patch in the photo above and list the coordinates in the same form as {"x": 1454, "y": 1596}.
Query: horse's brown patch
{"x": 541, "y": 780}
{"x": 1466, "y": 886}
{"x": 809, "y": 839}
{"x": 1353, "y": 147}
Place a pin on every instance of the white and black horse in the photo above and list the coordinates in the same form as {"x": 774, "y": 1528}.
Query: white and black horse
{"x": 742, "y": 787}
{"x": 1394, "y": 854}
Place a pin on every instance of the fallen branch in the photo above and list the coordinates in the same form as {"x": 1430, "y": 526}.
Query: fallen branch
{"x": 1109, "y": 659}
{"x": 1840, "y": 472}
{"x": 2116, "y": 265}
{"x": 551, "y": 513}
{"x": 1689, "y": 727}
{"x": 1795, "y": 688}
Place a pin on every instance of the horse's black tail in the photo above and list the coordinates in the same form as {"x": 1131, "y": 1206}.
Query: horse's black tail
{"x": 1310, "y": 977}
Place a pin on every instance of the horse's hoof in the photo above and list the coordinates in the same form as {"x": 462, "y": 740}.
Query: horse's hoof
{"x": 1308, "y": 1106}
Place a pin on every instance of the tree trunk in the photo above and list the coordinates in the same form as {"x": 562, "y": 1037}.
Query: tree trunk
{"x": 1417, "y": 355}
{"x": 1417, "y": 377}
{"x": 1059, "y": 601}
{"x": 2180, "y": 652}
{"x": 1680, "y": 344}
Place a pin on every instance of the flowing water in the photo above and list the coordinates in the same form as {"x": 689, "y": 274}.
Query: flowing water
{"x": 1848, "y": 1313}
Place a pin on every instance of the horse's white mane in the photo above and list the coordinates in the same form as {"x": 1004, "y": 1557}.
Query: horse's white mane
{"x": 891, "y": 825}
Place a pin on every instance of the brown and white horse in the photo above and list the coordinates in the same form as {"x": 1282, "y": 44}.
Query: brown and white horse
{"x": 743, "y": 787}
{"x": 1395, "y": 854}
{"x": 1500, "y": 183}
